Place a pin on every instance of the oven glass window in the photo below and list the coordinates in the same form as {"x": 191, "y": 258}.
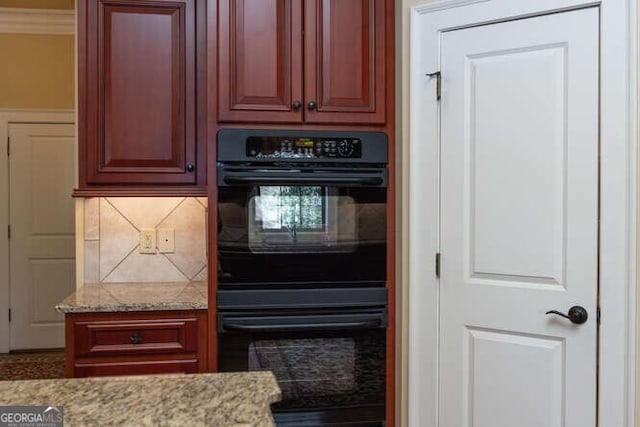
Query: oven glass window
{"x": 290, "y": 208}
{"x": 320, "y": 371}
{"x": 301, "y": 235}
{"x": 308, "y": 366}
{"x": 301, "y": 219}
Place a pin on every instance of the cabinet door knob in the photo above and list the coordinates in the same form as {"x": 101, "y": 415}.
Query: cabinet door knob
{"x": 312, "y": 105}
{"x": 190, "y": 167}
{"x": 296, "y": 105}
{"x": 136, "y": 338}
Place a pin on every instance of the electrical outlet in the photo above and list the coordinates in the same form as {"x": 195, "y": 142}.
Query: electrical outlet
{"x": 147, "y": 241}
{"x": 166, "y": 240}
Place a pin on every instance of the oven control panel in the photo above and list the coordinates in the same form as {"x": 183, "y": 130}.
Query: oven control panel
{"x": 273, "y": 147}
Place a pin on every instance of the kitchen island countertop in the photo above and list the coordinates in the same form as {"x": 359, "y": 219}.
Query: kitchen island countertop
{"x": 221, "y": 399}
{"x": 117, "y": 297}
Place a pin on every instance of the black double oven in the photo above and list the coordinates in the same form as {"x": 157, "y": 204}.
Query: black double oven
{"x": 302, "y": 268}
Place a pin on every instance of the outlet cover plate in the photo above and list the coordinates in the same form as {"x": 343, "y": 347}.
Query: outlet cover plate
{"x": 166, "y": 240}
{"x": 147, "y": 241}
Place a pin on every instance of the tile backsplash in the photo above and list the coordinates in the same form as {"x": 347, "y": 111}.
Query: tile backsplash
{"x": 112, "y": 238}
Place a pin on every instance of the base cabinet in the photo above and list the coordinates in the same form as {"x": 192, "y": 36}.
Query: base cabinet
{"x": 134, "y": 343}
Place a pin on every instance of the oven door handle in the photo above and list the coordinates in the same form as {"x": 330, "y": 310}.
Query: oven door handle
{"x": 302, "y": 179}
{"x": 367, "y": 324}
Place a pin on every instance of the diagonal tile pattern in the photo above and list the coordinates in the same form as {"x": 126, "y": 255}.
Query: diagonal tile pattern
{"x": 204, "y": 201}
{"x": 139, "y": 267}
{"x": 145, "y": 212}
{"x": 112, "y": 237}
{"x": 117, "y": 238}
{"x": 201, "y": 276}
{"x": 188, "y": 220}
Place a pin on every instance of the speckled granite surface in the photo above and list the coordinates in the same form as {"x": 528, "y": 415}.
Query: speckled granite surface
{"x": 112, "y": 297}
{"x": 221, "y": 400}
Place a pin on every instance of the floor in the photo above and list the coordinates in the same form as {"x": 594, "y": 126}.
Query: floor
{"x": 32, "y": 365}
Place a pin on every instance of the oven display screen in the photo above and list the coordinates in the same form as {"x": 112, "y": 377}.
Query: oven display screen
{"x": 303, "y": 147}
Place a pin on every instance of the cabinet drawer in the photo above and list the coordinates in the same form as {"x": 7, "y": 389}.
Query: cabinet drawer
{"x": 136, "y": 368}
{"x": 94, "y": 338}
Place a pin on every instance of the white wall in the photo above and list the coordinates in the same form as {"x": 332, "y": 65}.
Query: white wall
{"x": 403, "y": 8}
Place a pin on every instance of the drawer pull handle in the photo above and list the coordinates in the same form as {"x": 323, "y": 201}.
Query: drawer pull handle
{"x": 136, "y": 338}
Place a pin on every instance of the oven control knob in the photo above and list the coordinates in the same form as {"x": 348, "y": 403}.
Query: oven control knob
{"x": 345, "y": 148}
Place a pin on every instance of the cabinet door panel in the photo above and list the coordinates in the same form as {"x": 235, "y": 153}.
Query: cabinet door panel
{"x": 345, "y": 61}
{"x": 141, "y": 100}
{"x": 260, "y": 63}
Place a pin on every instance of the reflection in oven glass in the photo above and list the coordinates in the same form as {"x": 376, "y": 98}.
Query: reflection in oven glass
{"x": 315, "y": 234}
{"x": 301, "y": 369}
{"x": 287, "y": 207}
{"x": 301, "y": 219}
{"x": 322, "y": 372}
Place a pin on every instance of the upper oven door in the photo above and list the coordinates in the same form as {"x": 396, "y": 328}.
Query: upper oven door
{"x": 296, "y": 228}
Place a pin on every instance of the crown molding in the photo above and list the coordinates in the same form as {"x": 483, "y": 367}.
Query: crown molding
{"x": 37, "y": 21}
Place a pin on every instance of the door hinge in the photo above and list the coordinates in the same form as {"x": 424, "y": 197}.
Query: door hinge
{"x": 438, "y": 264}
{"x": 9, "y": 315}
{"x": 598, "y": 315}
{"x": 8, "y": 231}
{"x": 438, "y": 77}
{"x": 8, "y": 145}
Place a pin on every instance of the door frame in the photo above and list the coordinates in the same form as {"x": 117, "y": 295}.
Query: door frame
{"x": 618, "y": 194}
{"x": 8, "y": 117}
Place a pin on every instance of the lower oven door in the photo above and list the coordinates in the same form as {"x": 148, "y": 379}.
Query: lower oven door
{"x": 330, "y": 367}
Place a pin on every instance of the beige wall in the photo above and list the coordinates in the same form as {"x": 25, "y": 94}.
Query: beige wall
{"x": 38, "y": 4}
{"x": 37, "y": 71}
{"x": 110, "y": 239}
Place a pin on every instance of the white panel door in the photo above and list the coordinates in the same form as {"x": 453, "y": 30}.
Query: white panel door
{"x": 519, "y": 213}
{"x": 42, "y": 243}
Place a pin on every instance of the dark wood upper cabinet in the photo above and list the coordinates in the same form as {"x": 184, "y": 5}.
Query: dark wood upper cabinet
{"x": 345, "y": 61}
{"x": 302, "y": 61}
{"x": 137, "y": 88}
{"x": 260, "y": 60}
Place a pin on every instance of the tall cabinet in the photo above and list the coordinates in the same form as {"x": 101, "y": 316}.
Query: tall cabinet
{"x": 321, "y": 65}
{"x": 302, "y": 61}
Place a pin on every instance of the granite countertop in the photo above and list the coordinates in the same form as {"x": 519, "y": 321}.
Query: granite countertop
{"x": 239, "y": 399}
{"x": 115, "y": 297}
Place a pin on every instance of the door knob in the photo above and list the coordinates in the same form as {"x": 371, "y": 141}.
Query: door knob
{"x": 576, "y": 314}
{"x": 312, "y": 105}
{"x": 296, "y": 105}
